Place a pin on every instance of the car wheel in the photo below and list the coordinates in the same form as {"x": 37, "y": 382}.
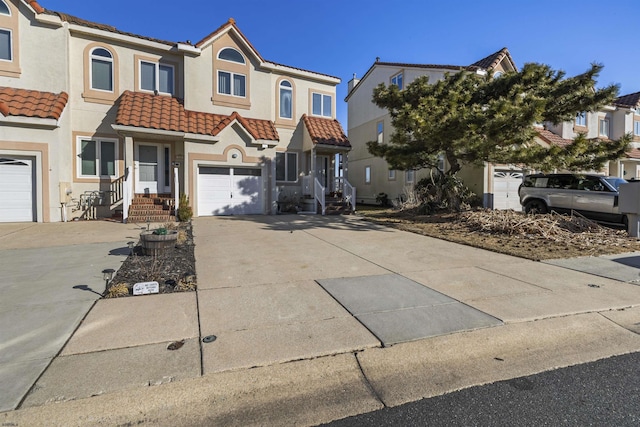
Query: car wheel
{"x": 535, "y": 207}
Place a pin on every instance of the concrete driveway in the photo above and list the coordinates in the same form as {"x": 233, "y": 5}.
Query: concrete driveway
{"x": 51, "y": 274}
{"x": 351, "y": 306}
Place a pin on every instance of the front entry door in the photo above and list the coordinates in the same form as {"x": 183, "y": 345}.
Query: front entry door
{"x": 322, "y": 171}
{"x": 153, "y": 169}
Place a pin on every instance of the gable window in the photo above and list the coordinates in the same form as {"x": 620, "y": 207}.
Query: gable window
{"x": 367, "y": 174}
{"x": 604, "y": 127}
{"x": 321, "y": 105}
{"x": 286, "y": 100}
{"x": 380, "y": 132}
{"x": 232, "y": 55}
{"x": 398, "y": 80}
{"x": 287, "y": 167}
{"x": 101, "y": 69}
{"x": 96, "y": 158}
{"x": 636, "y": 127}
{"x": 157, "y": 77}
{"x": 231, "y": 84}
{"x": 581, "y": 119}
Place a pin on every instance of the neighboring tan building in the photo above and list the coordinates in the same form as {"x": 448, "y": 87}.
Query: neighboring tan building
{"x": 496, "y": 184}
{"x": 96, "y": 122}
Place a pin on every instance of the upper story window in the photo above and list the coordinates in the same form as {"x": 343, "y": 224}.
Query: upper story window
{"x": 9, "y": 63}
{"x": 321, "y": 104}
{"x": 232, "y": 84}
{"x": 286, "y": 99}
{"x": 604, "y": 127}
{"x": 581, "y": 119}
{"x": 157, "y": 77}
{"x": 101, "y": 69}
{"x": 367, "y": 174}
{"x": 410, "y": 176}
{"x": 398, "y": 80}
{"x": 230, "y": 54}
{"x": 380, "y": 132}
{"x": 636, "y": 127}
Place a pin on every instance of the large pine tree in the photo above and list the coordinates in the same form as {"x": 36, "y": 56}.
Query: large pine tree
{"x": 471, "y": 119}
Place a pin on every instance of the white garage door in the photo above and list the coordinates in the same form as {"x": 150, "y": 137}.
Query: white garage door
{"x": 229, "y": 191}
{"x": 505, "y": 189}
{"x": 16, "y": 190}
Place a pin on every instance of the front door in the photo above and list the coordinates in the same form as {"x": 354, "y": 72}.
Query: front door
{"x": 153, "y": 169}
{"x": 322, "y": 171}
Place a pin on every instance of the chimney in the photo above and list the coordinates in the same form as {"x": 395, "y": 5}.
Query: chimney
{"x": 352, "y": 83}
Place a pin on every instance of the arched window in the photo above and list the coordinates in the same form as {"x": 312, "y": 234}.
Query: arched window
{"x": 286, "y": 99}
{"x": 230, "y": 54}
{"x": 6, "y": 51}
{"x": 101, "y": 69}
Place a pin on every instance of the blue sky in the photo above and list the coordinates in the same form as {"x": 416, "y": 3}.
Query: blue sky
{"x": 342, "y": 37}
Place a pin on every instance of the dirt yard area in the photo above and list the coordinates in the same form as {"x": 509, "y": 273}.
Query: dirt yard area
{"x": 535, "y": 237}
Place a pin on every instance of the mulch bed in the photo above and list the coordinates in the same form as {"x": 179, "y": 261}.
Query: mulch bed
{"x": 174, "y": 270}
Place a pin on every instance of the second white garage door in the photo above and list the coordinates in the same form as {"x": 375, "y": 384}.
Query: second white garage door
{"x": 229, "y": 191}
{"x": 505, "y": 189}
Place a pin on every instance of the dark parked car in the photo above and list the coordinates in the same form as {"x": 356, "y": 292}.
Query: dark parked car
{"x": 594, "y": 196}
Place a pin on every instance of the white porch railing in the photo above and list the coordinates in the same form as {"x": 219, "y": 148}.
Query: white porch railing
{"x": 127, "y": 193}
{"x": 348, "y": 191}
{"x": 319, "y": 195}
{"x": 176, "y": 193}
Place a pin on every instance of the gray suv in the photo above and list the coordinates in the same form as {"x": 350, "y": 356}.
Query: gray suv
{"x": 594, "y": 196}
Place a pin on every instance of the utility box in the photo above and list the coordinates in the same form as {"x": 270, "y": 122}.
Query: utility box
{"x": 629, "y": 205}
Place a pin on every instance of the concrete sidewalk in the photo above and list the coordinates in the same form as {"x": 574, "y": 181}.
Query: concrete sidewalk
{"x": 260, "y": 294}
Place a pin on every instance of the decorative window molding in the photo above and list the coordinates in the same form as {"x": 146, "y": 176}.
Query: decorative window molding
{"x": 636, "y": 127}
{"x": 287, "y": 167}
{"x": 100, "y": 59}
{"x": 96, "y": 157}
{"x": 9, "y": 40}
{"x": 581, "y": 119}
{"x": 321, "y": 104}
{"x": 155, "y": 76}
{"x": 231, "y": 77}
{"x": 285, "y": 102}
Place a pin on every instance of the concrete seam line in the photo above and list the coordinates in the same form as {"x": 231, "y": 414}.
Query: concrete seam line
{"x": 372, "y": 389}
{"x": 199, "y": 333}
{"x": 601, "y": 313}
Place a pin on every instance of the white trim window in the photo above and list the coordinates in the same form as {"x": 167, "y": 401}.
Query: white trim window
{"x": 232, "y": 55}
{"x": 233, "y": 84}
{"x": 97, "y": 157}
{"x": 392, "y": 174}
{"x": 157, "y": 77}
{"x": 322, "y": 104}
{"x": 398, "y": 80}
{"x": 287, "y": 167}
{"x": 581, "y": 119}
{"x": 367, "y": 174}
{"x": 410, "y": 176}
{"x": 286, "y": 99}
{"x": 6, "y": 46}
{"x": 101, "y": 69}
{"x": 636, "y": 127}
{"x": 604, "y": 127}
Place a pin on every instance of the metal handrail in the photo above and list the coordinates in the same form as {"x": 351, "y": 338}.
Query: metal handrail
{"x": 319, "y": 195}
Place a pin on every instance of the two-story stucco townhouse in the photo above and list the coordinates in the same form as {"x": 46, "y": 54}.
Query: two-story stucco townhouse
{"x": 95, "y": 121}
{"x": 366, "y": 122}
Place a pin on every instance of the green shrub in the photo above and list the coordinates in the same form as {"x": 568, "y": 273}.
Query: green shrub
{"x": 184, "y": 210}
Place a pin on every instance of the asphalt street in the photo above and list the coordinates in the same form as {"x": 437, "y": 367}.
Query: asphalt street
{"x": 602, "y": 393}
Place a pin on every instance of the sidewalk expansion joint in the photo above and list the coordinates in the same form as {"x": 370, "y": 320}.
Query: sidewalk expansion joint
{"x": 370, "y": 386}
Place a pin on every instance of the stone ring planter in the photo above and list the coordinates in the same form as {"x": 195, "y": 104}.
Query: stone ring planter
{"x": 157, "y": 244}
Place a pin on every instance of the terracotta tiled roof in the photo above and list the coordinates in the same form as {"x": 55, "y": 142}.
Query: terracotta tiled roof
{"x": 34, "y": 4}
{"x": 435, "y": 66}
{"x": 552, "y": 138}
{"x": 32, "y": 103}
{"x": 630, "y": 101}
{"x": 634, "y": 153}
{"x": 325, "y": 131}
{"x": 167, "y": 113}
